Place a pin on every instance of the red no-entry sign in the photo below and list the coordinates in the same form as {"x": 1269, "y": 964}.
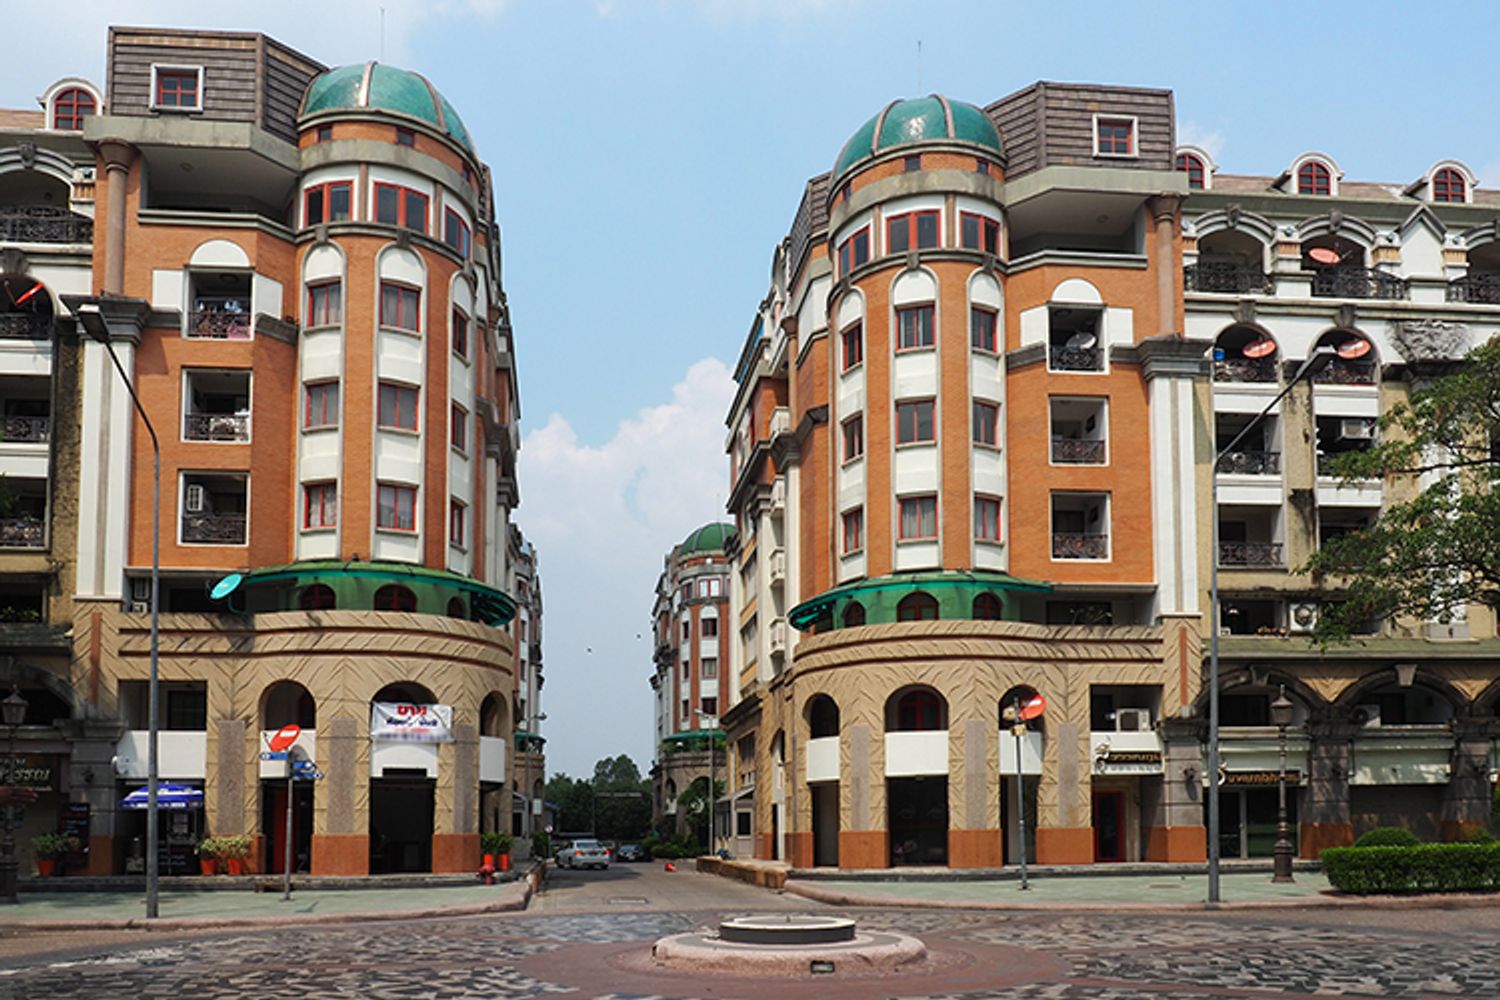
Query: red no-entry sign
{"x": 283, "y": 738}
{"x": 1032, "y": 708}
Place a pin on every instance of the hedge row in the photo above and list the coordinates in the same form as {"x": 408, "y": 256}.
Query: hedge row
{"x": 1420, "y": 868}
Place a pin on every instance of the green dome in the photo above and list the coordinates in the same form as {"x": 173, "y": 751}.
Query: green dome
{"x": 709, "y": 538}
{"x": 377, "y": 87}
{"x": 918, "y": 120}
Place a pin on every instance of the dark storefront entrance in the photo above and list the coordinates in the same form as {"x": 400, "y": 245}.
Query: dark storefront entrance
{"x": 825, "y": 822}
{"x": 400, "y": 824}
{"x": 1247, "y": 821}
{"x": 273, "y": 825}
{"x": 918, "y": 809}
{"x": 1109, "y": 826}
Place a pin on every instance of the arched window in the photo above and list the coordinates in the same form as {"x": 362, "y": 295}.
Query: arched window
{"x": 917, "y": 710}
{"x": 288, "y": 703}
{"x": 392, "y": 597}
{"x": 987, "y": 607}
{"x": 1193, "y": 167}
{"x": 456, "y": 608}
{"x": 823, "y": 717}
{"x": 917, "y": 607}
{"x": 854, "y": 614}
{"x": 1448, "y": 185}
{"x": 492, "y": 715}
{"x": 1314, "y": 177}
{"x": 71, "y": 107}
{"x": 318, "y": 597}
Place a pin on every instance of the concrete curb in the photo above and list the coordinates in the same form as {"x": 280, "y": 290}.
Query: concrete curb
{"x": 1445, "y": 901}
{"x": 514, "y": 896}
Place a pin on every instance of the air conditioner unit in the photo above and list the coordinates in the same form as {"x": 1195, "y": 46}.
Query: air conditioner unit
{"x": 195, "y": 498}
{"x": 1365, "y": 715}
{"x": 139, "y": 607}
{"x": 1356, "y": 429}
{"x": 1304, "y": 617}
{"x": 1132, "y": 720}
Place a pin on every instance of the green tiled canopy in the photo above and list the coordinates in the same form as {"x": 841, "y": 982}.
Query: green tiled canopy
{"x": 917, "y": 120}
{"x": 378, "y": 87}
{"x": 709, "y": 538}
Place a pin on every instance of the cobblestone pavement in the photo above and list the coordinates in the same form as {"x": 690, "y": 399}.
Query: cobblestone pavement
{"x": 1416, "y": 954}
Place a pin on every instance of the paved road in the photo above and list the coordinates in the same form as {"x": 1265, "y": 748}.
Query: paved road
{"x": 589, "y": 934}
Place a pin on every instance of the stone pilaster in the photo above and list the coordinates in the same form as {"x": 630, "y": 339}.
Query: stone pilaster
{"x": 1176, "y": 832}
{"x": 1468, "y": 798}
{"x": 1326, "y": 819}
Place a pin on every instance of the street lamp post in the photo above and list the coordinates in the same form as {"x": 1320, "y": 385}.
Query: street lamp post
{"x": 14, "y": 709}
{"x": 1281, "y": 715}
{"x": 1319, "y": 359}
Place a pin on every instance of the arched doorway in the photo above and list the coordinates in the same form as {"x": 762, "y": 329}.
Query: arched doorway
{"x": 495, "y": 805}
{"x": 823, "y": 777}
{"x": 403, "y": 784}
{"x": 916, "y": 769}
{"x": 287, "y": 703}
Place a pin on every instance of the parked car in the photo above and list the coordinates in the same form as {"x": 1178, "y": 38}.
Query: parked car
{"x": 563, "y": 848}
{"x": 631, "y": 852}
{"x": 584, "y": 854}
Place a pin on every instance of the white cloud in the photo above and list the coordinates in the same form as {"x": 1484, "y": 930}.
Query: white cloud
{"x": 1193, "y": 134}
{"x": 603, "y": 517}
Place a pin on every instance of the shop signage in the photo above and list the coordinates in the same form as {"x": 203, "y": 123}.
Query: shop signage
{"x": 29, "y": 771}
{"x": 1107, "y": 758}
{"x": 418, "y": 723}
{"x": 1261, "y": 779}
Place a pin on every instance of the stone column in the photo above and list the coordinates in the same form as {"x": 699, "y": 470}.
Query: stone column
{"x": 1163, "y": 209}
{"x": 1468, "y": 798}
{"x": 455, "y": 814}
{"x": 862, "y": 830}
{"x": 1065, "y": 831}
{"x": 974, "y": 839}
{"x": 91, "y": 777}
{"x": 1176, "y": 832}
{"x": 341, "y": 806}
{"x": 118, "y": 158}
{"x": 1326, "y": 820}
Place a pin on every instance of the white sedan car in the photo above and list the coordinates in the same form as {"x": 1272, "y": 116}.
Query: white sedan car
{"x": 584, "y": 854}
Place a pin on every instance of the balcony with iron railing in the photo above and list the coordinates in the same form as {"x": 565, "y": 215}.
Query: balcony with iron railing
{"x": 224, "y": 319}
{"x": 213, "y": 529}
{"x": 25, "y": 326}
{"x": 1227, "y": 277}
{"x": 1342, "y": 371}
{"x": 1251, "y": 554}
{"x": 1079, "y": 545}
{"x": 1250, "y": 463}
{"x": 23, "y": 533}
{"x": 1077, "y": 451}
{"x": 43, "y": 224}
{"x": 1358, "y": 283}
{"x": 1076, "y": 359}
{"x": 1478, "y": 289}
{"x": 1245, "y": 370}
{"x": 217, "y": 427}
{"x": 25, "y": 430}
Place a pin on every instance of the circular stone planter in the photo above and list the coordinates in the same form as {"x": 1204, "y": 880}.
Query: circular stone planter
{"x": 789, "y": 946}
{"x": 785, "y": 929}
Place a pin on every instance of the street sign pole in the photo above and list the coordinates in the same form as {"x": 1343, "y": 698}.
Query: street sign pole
{"x": 1017, "y": 730}
{"x": 286, "y": 871}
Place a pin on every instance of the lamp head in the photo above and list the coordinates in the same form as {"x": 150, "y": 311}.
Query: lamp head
{"x": 1281, "y": 710}
{"x": 1319, "y": 359}
{"x": 13, "y": 708}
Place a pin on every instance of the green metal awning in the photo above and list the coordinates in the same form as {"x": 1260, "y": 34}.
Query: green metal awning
{"x": 814, "y": 609}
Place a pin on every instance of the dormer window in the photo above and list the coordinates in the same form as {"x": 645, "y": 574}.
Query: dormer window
{"x": 1114, "y": 136}
{"x": 1448, "y": 185}
{"x": 1193, "y": 167}
{"x": 177, "y": 88}
{"x": 71, "y": 107}
{"x": 1314, "y": 178}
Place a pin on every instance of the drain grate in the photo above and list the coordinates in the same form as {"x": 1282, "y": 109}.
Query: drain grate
{"x": 627, "y": 901}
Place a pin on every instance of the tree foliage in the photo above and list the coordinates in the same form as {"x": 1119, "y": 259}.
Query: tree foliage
{"x": 615, "y": 805}
{"x": 1434, "y": 551}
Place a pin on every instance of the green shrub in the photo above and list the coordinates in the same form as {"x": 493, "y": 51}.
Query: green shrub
{"x": 541, "y": 845}
{"x": 1388, "y": 836}
{"x": 53, "y": 845}
{"x": 1477, "y": 835}
{"x": 1419, "y": 868}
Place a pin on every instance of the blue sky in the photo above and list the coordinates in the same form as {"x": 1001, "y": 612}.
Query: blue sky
{"x": 649, "y": 154}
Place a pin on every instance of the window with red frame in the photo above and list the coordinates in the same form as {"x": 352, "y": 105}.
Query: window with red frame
{"x": 325, "y": 304}
{"x": 400, "y": 206}
{"x": 396, "y": 507}
{"x": 399, "y": 306}
{"x": 1115, "y": 137}
{"x": 318, "y": 597}
{"x": 918, "y": 607}
{"x": 854, "y": 438}
{"x": 178, "y": 89}
{"x": 456, "y": 232}
{"x": 920, "y": 710}
{"x": 322, "y": 406}
{"x": 398, "y": 407}
{"x": 854, "y": 529}
{"x": 460, "y": 422}
{"x": 708, "y": 628}
{"x": 987, "y": 519}
{"x": 912, "y": 230}
{"x": 854, "y": 251}
{"x": 854, "y": 345}
{"x": 457, "y": 512}
{"x": 979, "y": 233}
{"x": 393, "y": 597}
{"x": 987, "y": 607}
{"x": 460, "y": 335}
{"x": 320, "y": 507}
{"x": 1314, "y": 177}
{"x": 1448, "y": 185}
{"x": 918, "y": 518}
{"x": 914, "y": 423}
{"x": 986, "y": 424}
{"x": 1193, "y": 167}
{"x": 914, "y": 327}
{"x": 331, "y": 202}
{"x": 71, "y": 107}
{"x": 982, "y": 325}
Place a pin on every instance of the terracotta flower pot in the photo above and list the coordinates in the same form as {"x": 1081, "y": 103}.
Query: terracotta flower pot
{"x": 46, "y": 866}
{"x": 208, "y": 866}
{"x": 505, "y": 862}
{"x": 236, "y": 866}
{"x": 489, "y": 859}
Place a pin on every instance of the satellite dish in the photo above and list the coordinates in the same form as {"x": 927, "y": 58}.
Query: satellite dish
{"x": 226, "y": 586}
{"x": 1354, "y": 347}
{"x": 1324, "y": 255}
{"x": 1260, "y": 348}
{"x": 1081, "y": 341}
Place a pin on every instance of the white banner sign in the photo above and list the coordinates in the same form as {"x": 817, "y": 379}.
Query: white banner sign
{"x": 419, "y": 723}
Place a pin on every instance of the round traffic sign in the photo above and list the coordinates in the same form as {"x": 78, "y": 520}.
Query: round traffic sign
{"x": 284, "y": 737}
{"x": 1032, "y": 707}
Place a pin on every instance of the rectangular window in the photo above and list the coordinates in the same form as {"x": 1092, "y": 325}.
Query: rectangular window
{"x": 986, "y": 424}
{"x": 400, "y": 206}
{"x": 914, "y": 327}
{"x": 710, "y": 706}
{"x": 322, "y": 408}
{"x": 396, "y": 507}
{"x": 914, "y": 422}
{"x": 320, "y": 505}
{"x": 854, "y": 529}
{"x": 911, "y": 164}
{"x": 325, "y": 133}
{"x": 456, "y": 514}
{"x": 854, "y": 438}
{"x": 987, "y": 519}
{"x": 405, "y": 136}
{"x": 460, "y": 335}
{"x": 178, "y": 89}
{"x": 902, "y": 230}
{"x": 398, "y": 407}
{"x": 854, "y": 345}
{"x": 399, "y": 307}
{"x": 331, "y": 202}
{"x": 982, "y": 323}
{"x": 460, "y": 422}
{"x": 1114, "y": 136}
{"x": 854, "y": 251}
{"x": 325, "y": 304}
{"x": 708, "y": 666}
{"x": 708, "y": 628}
{"x": 979, "y": 233}
{"x": 456, "y": 232}
{"x": 918, "y": 518}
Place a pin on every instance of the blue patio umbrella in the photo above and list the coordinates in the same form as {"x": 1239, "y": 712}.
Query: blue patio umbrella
{"x": 167, "y": 797}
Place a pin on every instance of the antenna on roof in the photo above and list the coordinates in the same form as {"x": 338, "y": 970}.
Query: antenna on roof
{"x": 919, "y": 65}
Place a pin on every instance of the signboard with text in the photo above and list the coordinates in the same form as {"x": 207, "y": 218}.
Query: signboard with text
{"x": 417, "y": 723}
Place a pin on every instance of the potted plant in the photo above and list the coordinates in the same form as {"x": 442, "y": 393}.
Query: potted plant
{"x": 489, "y": 846}
{"x": 209, "y": 849}
{"x": 502, "y": 851}
{"x": 234, "y": 851}
{"x": 48, "y": 847}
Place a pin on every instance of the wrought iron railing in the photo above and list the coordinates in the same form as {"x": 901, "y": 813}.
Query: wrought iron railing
{"x": 22, "y": 533}
{"x": 1357, "y": 283}
{"x": 217, "y": 427}
{"x": 1483, "y": 289}
{"x": 1250, "y": 463}
{"x": 214, "y": 529}
{"x": 25, "y": 430}
{"x": 1250, "y": 554}
{"x": 1344, "y": 372}
{"x": 1077, "y": 451}
{"x": 1076, "y": 545}
{"x": 1245, "y": 370}
{"x": 1216, "y": 276}
{"x": 1077, "y": 359}
{"x": 24, "y": 326}
{"x": 218, "y": 324}
{"x": 43, "y": 224}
